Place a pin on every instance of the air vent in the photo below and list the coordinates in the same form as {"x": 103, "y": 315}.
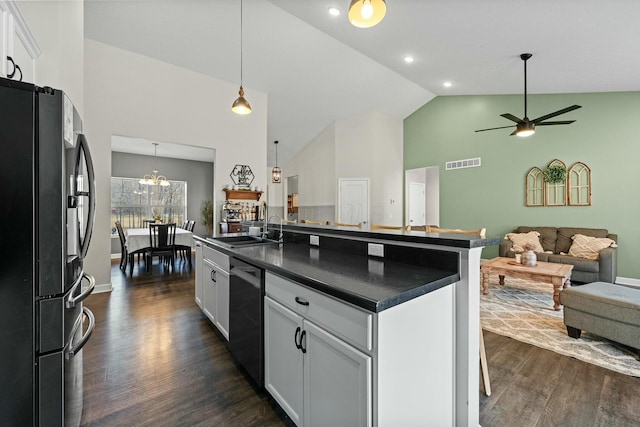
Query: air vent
{"x": 467, "y": 163}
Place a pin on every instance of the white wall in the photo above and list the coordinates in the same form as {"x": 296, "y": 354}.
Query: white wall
{"x": 58, "y": 27}
{"x": 132, "y": 95}
{"x": 367, "y": 145}
{"x": 315, "y": 167}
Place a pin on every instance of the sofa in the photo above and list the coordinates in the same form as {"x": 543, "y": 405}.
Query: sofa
{"x": 556, "y": 242}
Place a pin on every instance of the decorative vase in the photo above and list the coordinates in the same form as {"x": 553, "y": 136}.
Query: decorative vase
{"x": 529, "y": 258}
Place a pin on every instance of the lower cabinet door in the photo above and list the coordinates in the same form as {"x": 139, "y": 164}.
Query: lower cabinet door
{"x": 209, "y": 290}
{"x": 222, "y": 302}
{"x": 337, "y": 380}
{"x": 283, "y": 359}
{"x": 199, "y": 274}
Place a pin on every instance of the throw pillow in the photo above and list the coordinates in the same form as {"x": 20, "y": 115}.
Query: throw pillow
{"x": 519, "y": 240}
{"x": 589, "y": 247}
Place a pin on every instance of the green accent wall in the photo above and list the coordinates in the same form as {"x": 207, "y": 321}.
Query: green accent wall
{"x": 605, "y": 136}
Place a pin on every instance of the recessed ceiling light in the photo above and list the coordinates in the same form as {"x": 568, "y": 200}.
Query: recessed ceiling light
{"x": 334, "y": 11}
{"x": 447, "y": 84}
{"x": 408, "y": 59}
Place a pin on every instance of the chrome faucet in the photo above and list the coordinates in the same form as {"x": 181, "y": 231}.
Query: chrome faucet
{"x": 265, "y": 232}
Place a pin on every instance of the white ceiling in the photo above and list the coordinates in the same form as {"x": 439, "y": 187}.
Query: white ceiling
{"x": 316, "y": 68}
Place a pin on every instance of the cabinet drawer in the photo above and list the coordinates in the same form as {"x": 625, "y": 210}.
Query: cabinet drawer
{"x": 222, "y": 260}
{"x": 344, "y": 320}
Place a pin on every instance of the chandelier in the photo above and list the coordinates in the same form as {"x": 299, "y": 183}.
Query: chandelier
{"x": 155, "y": 179}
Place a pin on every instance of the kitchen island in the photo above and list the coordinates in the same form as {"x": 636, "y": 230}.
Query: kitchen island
{"x": 355, "y": 339}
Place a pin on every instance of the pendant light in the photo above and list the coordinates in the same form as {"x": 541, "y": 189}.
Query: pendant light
{"x": 276, "y": 172}
{"x": 366, "y": 13}
{"x": 241, "y": 105}
{"x": 154, "y": 179}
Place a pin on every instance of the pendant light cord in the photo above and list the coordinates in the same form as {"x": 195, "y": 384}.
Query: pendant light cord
{"x": 241, "y": 42}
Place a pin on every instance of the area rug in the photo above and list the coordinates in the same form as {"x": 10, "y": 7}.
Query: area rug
{"x": 523, "y": 310}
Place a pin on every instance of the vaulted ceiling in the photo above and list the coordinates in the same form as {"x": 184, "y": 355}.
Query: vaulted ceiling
{"x": 317, "y": 68}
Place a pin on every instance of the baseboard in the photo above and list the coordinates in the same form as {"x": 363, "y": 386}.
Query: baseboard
{"x": 115, "y": 256}
{"x": 105, "y": 287}
{"x": 628, "y": 281}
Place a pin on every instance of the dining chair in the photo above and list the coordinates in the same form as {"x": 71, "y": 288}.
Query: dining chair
{"x": 185, "y": 224}
{"x": 184, "y": 251}
{"x": 162, "y": 239}
{"x": 385, "y": 227}
{"x": 344, "y": 224}
{"x": 123, "y": 248}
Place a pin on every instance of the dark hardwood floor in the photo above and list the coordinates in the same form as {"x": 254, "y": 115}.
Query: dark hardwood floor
{"x": 155, "y": 360}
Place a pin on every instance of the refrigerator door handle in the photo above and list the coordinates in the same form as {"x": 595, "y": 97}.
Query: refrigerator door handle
{"x": 83, "y": 150}
{"x": 72, "y": 351}
{"x": 71, "y": 300}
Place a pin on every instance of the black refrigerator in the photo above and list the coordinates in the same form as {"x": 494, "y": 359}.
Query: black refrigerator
{"x": 47, "y": 215}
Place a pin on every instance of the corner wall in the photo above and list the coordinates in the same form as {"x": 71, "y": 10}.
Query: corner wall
{"x": 132, "y": 95}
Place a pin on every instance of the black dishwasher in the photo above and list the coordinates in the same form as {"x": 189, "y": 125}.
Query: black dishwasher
{"x": 246, "y": 341}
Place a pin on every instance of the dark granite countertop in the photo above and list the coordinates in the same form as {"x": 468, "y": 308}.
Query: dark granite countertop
{"x": 367, "y": 282}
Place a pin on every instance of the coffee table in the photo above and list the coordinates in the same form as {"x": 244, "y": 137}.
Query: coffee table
{"x": 559, "y": 275}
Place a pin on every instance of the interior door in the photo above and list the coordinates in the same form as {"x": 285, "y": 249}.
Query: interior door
{"x": 417, "y": 205}
{"x": 353, "y": 201}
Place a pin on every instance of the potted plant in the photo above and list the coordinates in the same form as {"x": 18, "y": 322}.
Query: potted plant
{"x": 206, "y": 210}
{"x": 555, "y": 174}
{"x": 155, "y": 214}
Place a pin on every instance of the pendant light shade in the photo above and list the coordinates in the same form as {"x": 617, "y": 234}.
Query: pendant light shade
{"x": 276, "y": 172}
{"x": 366, "y": 13}
{"x": 241, "y": 105}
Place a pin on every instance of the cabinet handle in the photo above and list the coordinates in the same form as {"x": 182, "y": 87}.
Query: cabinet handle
{"x": 11, "y": 73}
{"x": 302, "y": 301}
{"x": 213, "y": 275}
{"x": 303, "y": 337}
{"x": 295, "y": 338}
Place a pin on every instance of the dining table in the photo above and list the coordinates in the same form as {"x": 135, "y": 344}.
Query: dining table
{"x": 138, "y": 238}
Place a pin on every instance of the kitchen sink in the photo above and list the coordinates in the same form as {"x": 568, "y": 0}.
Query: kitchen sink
{"x": 239, "y": 241}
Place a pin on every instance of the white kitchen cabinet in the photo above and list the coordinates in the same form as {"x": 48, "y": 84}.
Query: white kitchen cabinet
{"x": 17, "y": 41}
{"x": 199, "y": 273}
{"x": 359, "y": 368}
{"x": 316, "y": 377}
{"x": 283, "y": 359}
{"x": 222, "y": 301}
{"x": 212, "y": 286}
{"x": 209, "y": 290}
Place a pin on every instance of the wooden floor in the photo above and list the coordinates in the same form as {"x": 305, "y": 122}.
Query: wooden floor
{"x": 155, "y": 360}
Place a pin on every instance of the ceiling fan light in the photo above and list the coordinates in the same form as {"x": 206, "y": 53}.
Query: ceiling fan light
{"x": 241, "y": 105}
{"x": 525, "y": 129}
{"x": 366, "y": 13}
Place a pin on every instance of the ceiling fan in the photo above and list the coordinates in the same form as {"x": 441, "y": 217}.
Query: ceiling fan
{"x": 524, "y": 126}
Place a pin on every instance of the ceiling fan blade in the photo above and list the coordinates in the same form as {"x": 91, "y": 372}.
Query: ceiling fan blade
{"x": 560, "y": 122}
{"x": 556, "y": 113}
{"x": 514, "y": 132}
{"x": 511, "y": 117}
{"x": 501, "y": 127}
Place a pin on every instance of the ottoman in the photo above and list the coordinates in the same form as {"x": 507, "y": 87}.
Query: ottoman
{"x": 605, "y": 309}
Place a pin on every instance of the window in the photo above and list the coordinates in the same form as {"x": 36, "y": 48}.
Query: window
{"x": 132, "y": 203}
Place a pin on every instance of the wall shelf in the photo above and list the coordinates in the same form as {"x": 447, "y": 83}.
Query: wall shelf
{"x": 243, "y": 195}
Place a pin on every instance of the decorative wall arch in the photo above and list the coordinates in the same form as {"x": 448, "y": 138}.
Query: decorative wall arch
{"x": 535, "y": 187}
{"x": 556, "y": 194}
{"x": 579, "y": 185}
